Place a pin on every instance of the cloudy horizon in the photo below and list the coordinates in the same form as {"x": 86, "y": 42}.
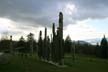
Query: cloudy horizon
{"x": 83, "y": 19}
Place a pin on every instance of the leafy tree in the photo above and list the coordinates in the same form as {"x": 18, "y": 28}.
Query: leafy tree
{"x": 30, "y": 41}
{"x": 4, "y": 45}
{"x": 68, "y": 44}
{"x": 5, "y": 42}
{"x": 21, "y": 45}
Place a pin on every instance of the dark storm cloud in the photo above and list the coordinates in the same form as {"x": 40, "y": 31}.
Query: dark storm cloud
{"x": 91, "y": 9}
{"x": 45, "y": 12}
{"x": 31, "y": 11}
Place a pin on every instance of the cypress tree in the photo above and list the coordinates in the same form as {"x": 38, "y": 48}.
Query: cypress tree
{"x": 45, "y": 45}
{"x": 11, "y": 46}
{"x": 58, "y": 48}
{"x": 53, "y": 49}
{"x": 48, "y": 49}
{"x": 60, "y": 36}
{"x": 40, "y": 43}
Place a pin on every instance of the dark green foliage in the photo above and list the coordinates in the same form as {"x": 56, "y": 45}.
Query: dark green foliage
{"x": 98, "y": 50}
{"x": 11, "y": 45}
{"x": 21, "y": 42}
{"x": 57, "y": 44}
{"x": 48, "y": 49}
{"x": 85, "y": 48}
{"x": 55, "y": 49}
{"x": 60, "y": 39}
{"x": 21, "y": 45}
{"x": 53, "y": 45}
{"x": 45, "y": 45}
{"x": 30, "y": 40}
{"x": 104, "y": 47}
{"x": 59, "y": 47}
{"x": 40, "y": 45}
{"x": 4, "y": 45}
{"x": 68, "y": 45}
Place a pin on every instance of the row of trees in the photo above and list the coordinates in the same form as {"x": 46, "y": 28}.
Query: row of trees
{"x": 85, "y": 48}
{"x": 22, "y": 46}
{"x": 47, "y": 49}
{"x": 52, "y": 49}
{"x": 44, "y": 46}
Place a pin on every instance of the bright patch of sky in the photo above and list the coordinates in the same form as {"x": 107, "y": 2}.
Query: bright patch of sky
{"x": 100, "y": 24}
{"x": 87, "y": 29}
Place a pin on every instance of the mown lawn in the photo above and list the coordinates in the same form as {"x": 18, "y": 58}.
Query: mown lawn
{"x": 32, "y": 64}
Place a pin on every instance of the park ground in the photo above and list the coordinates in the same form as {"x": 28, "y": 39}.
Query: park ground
{"x": 33, "y": 64}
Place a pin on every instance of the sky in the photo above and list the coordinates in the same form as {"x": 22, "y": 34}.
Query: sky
{"x": 83, "y": 19}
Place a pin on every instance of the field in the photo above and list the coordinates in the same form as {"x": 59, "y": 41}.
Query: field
{"x": 32, "y": 64}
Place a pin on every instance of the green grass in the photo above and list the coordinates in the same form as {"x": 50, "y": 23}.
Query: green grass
{"x": 87, "y": 64}
{"x": 32, "y": 64}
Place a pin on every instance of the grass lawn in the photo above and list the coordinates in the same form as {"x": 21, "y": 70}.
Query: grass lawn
{"x": 31, "y": 64}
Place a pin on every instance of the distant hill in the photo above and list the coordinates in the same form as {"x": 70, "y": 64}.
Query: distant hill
{"x": 94, "y": 41}
{"x": 82, "y": 42}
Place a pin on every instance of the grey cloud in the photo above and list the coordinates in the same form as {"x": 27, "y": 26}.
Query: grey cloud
{"x": 45, "y": 12}
{"x": 91, "y": 9}
{"x": 31, "y": 11}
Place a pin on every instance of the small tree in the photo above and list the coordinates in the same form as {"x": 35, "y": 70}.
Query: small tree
{"x": 98, "y": 50}
{"x": 30, "y": 41}
{"x": 21, "y": 44}
{"x": 5, "y": 42}
{"x": 68, "y": 44}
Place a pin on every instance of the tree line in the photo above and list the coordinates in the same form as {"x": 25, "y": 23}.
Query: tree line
{"x": 23, "y": 46}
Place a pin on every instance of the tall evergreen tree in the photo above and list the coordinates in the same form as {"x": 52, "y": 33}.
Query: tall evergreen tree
{"x": 53, "y": 44}
{"x": 60, "y": 36}
{"x": 45, "y": 45}
{"x": 48, "y": 49}
{"x": 40, "y": 45}
{"x": 104, "y": 47}
{"x": 11, "y": 44}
